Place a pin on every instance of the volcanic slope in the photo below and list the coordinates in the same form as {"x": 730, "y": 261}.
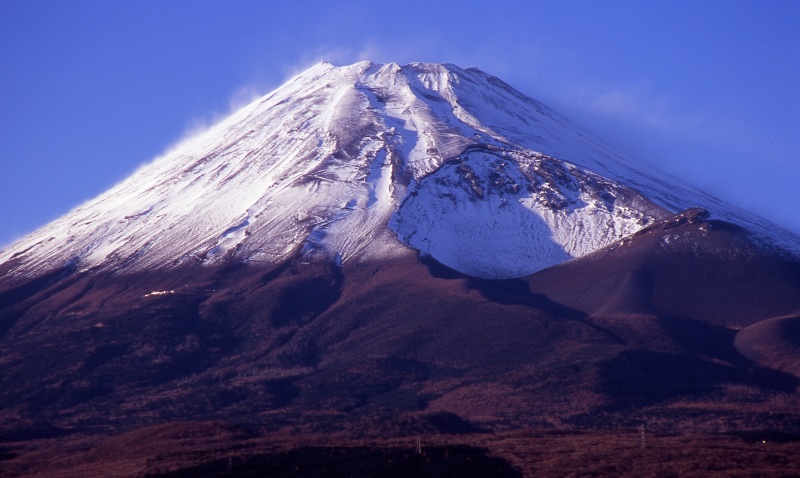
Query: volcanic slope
{"x": 376, "y": 251}
{"x": 384, "y": 347}
{"x": 458, "y": 164}
{"x": 686, "y": 265}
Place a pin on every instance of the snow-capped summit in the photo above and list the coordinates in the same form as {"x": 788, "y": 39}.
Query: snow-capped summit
{"x": 368, "y": 161}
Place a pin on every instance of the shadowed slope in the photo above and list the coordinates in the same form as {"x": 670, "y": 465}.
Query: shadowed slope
{"x": 774, "y": 343}
{"x": 380, "y": 347}
{"x": 684, "y": 266}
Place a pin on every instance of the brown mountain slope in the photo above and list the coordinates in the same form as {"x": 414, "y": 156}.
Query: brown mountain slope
{"x": 683, "y": 266}
{"x": 600, "y": 341}
{"x": 642, "y": 332}
{"x": 774, "y": 343}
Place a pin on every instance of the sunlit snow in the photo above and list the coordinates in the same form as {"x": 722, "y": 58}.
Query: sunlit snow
{"x": 322, "y": 165}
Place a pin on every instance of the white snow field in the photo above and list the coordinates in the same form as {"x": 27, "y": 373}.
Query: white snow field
{"x": 366, "y": 161}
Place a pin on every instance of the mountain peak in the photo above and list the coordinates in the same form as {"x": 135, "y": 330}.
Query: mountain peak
{"x": 381, "y": 251}
{"x": 373, "y": 160}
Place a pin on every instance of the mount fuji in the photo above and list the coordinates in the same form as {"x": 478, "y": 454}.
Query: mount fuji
{"x": 459, "y": 165}
{"x": 375, "y": 251}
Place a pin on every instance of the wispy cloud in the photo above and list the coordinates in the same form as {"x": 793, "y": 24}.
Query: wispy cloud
{"x": 637, "y": 105}
{"x": 253, "y": 90}
{"x": 333, "y": 54}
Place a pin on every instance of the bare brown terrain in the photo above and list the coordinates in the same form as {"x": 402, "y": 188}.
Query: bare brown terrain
{"x": 304, "y": 367}
{"x": 774, "y": 343}
{"x": 209, "y": 449}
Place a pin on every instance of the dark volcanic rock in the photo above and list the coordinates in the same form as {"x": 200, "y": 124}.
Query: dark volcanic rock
{"x": 368, "y": 347}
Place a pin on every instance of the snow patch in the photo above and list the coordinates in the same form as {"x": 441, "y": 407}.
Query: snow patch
{"x": 501, "y": 214}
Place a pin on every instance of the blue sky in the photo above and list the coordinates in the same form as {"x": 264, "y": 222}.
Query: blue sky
{"x": 704, "y": 90}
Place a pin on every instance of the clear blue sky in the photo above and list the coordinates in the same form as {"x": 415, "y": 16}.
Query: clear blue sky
{"x": 705, "y": 90}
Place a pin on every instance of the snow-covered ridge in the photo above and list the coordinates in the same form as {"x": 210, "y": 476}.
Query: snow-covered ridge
{"x": 322, "y": 165}
{"x": 512, "y": 213}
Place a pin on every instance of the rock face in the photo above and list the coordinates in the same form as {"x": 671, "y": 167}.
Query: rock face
{"x": 377, "y": 250}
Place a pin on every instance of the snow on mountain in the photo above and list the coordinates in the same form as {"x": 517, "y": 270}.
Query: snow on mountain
{"x": 457, "y": 163}
{"x": 511, "y": 213}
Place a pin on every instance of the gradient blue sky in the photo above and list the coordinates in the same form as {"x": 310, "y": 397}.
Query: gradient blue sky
{"x": 705, "y": 90}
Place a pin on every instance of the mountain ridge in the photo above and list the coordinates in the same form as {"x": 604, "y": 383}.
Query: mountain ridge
{"x": 326, "y": 160}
